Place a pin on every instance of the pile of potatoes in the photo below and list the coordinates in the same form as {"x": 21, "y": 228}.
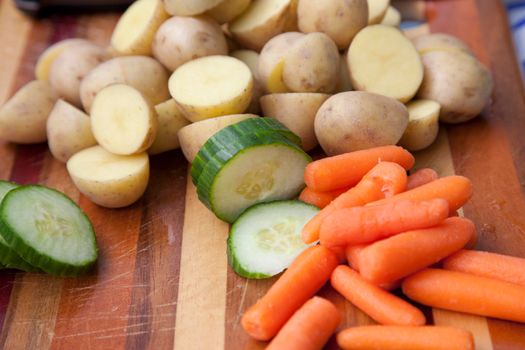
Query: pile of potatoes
{"x": 339, "y": 73}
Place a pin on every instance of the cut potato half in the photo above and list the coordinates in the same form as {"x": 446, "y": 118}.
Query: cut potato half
{"x": 136, "y": 28}
{"x": 263, "y": 20}
{"x": 189, "y": 7}
{"x": 383, "y": 61}
{"x": 192, "y": 137}
{"x": 392, "y": 17}
{"x": 122, "y": 120}
{"x": 170, "y": 120}
{"x": 377, "y": 10}
{"x": 228, "y": 10}
{"x": 46, "y": 59}
{"x": 423, "y": 125}
{"x": 212, "y": 86}
{"x": 297, "y": 112}
{"x": 109, "y": 180}
{"x": 68, "y": 131}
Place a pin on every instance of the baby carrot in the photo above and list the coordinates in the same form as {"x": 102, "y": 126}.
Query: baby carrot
{"x": 485, "y": 264}
{"x": 377, "y": 303}
{"x": 358, "y": 225}
{"x": 352, "y": 257}
{"x": 340, "y": 253}
{"x": 305, "y": 276}
{"x": 319, "y": 199}
{"x": 401, "y": 255}
{"x": 309, "y": 328}
{"x": 463, "y": 292}
{"x": 421, "y": 177}
{"x": 455, "y": 189}
{"x": 405, "y": 337}
{"x": 385, "y": 179}
{"x": 346, "y": 170}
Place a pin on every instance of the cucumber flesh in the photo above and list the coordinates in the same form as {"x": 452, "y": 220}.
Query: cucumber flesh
{"x": 8, "y": 257}
{"x": 266, "y": 238}
{"x": 256, "y": 168}
{"x": 48, "y": 230}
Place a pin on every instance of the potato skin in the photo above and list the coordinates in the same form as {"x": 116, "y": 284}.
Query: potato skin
{"x": 189, "y": 7}
{"x": 228, "y": 10}
{"x": 46, "y": 58}
{"x": 458, "y": 82}
{"x": 181, "y": 39}
{"x": 23, "y": 117}
{"x": 439, "y": 41}
{"x": 423, "y": 125}
{"x": 339, "y": 19}
{"x": 71, "y": 66}
{"x": 68, "y": 131}
{"x": 170, "y": 121}
{"x": 312, "y": 64}
{"x": 141, "y": 72}
{"x": 355, "y": 120}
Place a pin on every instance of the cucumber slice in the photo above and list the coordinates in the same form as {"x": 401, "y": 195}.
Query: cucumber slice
{"x": 8, "y": 257}
{"x": 260, "y": 167}
{"x": 48, "y": 230}
{"x": 221, "y": 141}
{"x": 266, "y": 238}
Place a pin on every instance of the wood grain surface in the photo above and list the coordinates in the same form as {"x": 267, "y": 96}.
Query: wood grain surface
{"x": 162, "y": 280}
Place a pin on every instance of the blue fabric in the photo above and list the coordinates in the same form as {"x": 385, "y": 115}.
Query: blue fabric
{"x": 516, "y": 13}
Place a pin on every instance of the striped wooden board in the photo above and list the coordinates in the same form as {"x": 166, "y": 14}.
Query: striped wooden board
{"x": 162, "y": 280}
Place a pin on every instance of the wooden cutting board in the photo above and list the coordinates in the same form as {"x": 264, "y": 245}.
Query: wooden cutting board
{"x": 162, "y": 280}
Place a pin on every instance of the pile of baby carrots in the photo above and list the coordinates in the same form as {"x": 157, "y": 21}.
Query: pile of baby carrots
{"x": 379, "y": 230}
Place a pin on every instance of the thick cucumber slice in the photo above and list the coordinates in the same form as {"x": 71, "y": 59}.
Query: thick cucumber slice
{"x": 255, "y": 168}
{"x": 48, "y": 230}
{"x": 266, "y": 238}
{"x": 222, "y": 140}
{"x": 8, "y": 257}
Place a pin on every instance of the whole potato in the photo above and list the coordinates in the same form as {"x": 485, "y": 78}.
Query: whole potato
{"x": 339, "y": 19}
{"x": 46, "y": 59}
{"x": 355, "y": 120}
{"x": 228, "y": 10}
{"x": 71, "y": 66}
{"x": 439, "y": 41}
{"x": 23, "y": 118}
{"x": 141, "y": 72}
{"x": 312, "y": 64}
{"x": 182, "y": 39}
{"x": 458, "y": 82}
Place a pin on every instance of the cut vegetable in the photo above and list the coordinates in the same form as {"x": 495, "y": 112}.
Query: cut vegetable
{"x": 377, "y": 10}
{"x": 170, "y": 121}
{"x": 189, "y": 7}
{"x": 122, "y": 119}
{"x": 8, "y": 257}
{"x": 423, "y": 125}
{"x": 46, "y": 59}
{"x": 266, "y": 238}
{"x": 228, "y": 10}
{"x": 48, "y": 230}
{"x": 212, "y": 86}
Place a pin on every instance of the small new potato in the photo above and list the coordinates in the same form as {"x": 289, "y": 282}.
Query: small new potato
{"x": 344, "y": 83}
{"x": 228, "y": 10}
{"x": 312, "y": 64}
{"x": 170, "y": 120}
{"x": 182, "y": 39}
{"x": 251, "y": 59}
{"x": 440, "y": 41}
{"x": 263, "y": 20}
{"x": 392, "y": 17}
{"x": 46, "y": 59}
{"x": 193, "y": 136}
{"x": 141, "y": 72}
{"x": 458, "y": 82}
{"x": 23, "y": 117}
{"x": 71, "y": 66}
{"x": 189, "y": 7}
{"x": 271, "y": 61}
{"x": 377, "y": 10}
{"x": 68, "y": 131}
{"x": 109, "y": 180}
{"x": 123, "y": 120}
{"x": 297, "y": 112}
{"x": 339, "y": 19}
{"x": 212, "y": 86}
{"x": 136, "y": 27}
{"x": 356, "y": 120}
{"x": 423, "y": 125}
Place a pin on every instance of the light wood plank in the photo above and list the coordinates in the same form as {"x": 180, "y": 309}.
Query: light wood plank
{"x": 477, "y": 325}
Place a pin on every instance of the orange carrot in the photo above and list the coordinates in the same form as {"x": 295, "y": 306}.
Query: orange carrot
{"x": 455, "y": 189}
{"x": 463, "y": 292}
{"x": 385, "y": 179}
{"x": 358, "y": 225}
{"x": 380, "y": 305}
{"x": 346, "y": 170}
{"x": 502, "y": 267}
{"x": 421, "y": 177}
{"x": 405, "y": 337}
{"x": 319, "y": 199}
{"x": 305, "y": 276}
{"x": 401, "y": 255}
{"x": 309, "y": 328}
{"x": 340, "y": 253}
